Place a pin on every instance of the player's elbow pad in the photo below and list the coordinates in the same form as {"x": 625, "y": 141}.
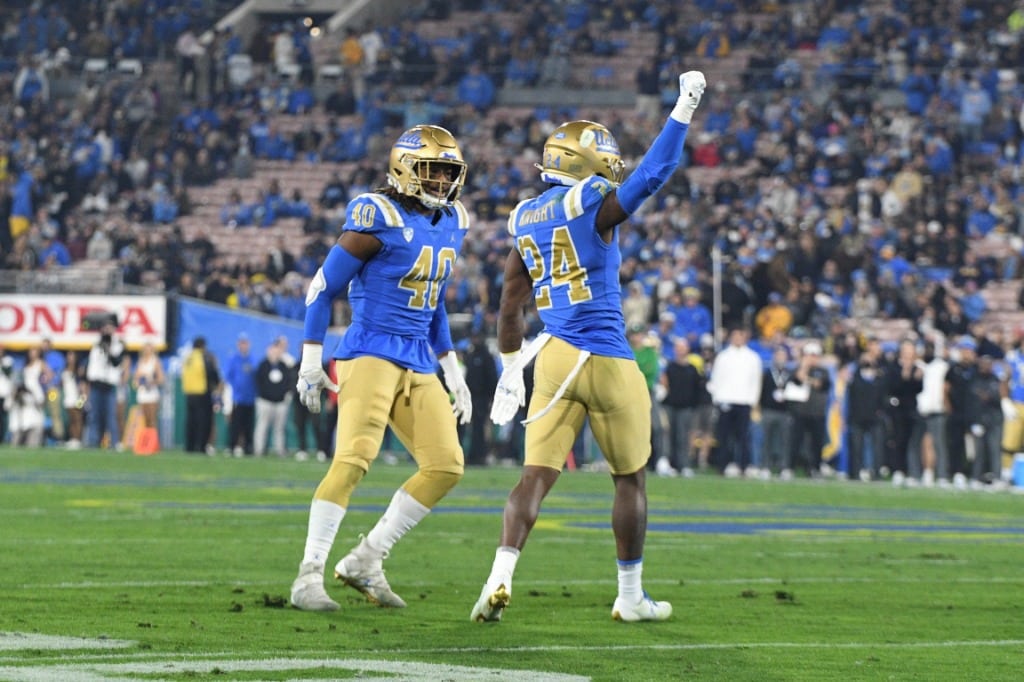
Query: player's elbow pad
{"x": 657, "y": 166}
{"x": 330, "y": 280}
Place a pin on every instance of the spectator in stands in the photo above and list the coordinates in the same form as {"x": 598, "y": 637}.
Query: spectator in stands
{"x": 236, "y": 213}
{"x": 31, "y": 83}
{"x": 351, "y": 51}
{"x": 714, "y": 43}
{"x": 53, "y": 254}
{"x": 555, "y": 67}
{"x": 289, "y": 303}
{"x": 189, "y": 50}
{"x": 693, "y": 318}
{"x": 637, "y": 306}
{"x": 334, "y": 193}
{"x": 972, "y": 302}
{"x": 975, "y": 105}
{"x": 342, "y": 101}
{"x": 648, "y": 89}
{"x": 773, "y": 319}
{"x": 476, "y": 88}
{"x": 863, "y": 301}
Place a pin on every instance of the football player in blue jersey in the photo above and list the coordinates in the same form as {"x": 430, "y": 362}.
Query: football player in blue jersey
{"x": 567, "y": 257}
{"x": 394, "y": 257}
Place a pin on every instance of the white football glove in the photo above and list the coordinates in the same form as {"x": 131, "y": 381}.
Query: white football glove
{"x": 463, "y": 405}
{"x": 510, "y": 394}
{"x": 691, "y": 89}
{"x": 312, "y": 377}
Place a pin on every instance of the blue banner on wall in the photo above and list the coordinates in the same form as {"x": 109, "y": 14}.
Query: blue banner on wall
{"x": 220, "y": 326}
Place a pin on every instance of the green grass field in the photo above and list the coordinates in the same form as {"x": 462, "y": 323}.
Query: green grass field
{"x": 177, "y": 567}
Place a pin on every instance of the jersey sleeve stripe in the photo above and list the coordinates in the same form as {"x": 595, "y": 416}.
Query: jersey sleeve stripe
{"x": 463, "y": 215}
{"x": 572, "y": 204}
{"x": 512, "y": 219}
{"x": 392, "y": 218}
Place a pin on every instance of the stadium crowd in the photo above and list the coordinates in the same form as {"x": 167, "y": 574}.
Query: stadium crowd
{"x": 864, "y": 184}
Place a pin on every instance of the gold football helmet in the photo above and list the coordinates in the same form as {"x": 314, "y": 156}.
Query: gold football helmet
{"x": 415, "y": 160}
{"x": 579, "y": 149}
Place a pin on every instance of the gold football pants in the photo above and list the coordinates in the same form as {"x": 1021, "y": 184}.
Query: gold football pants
{"x": 611, "y": 391}
{"x": 374, "y": 393}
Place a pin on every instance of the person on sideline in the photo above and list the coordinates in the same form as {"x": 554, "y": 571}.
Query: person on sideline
{"x": 567, "y": 257}
{"x": 735, "y": 388}
{"x": 240, "y": 375}
{"x": 200, "y": 381}
{"x": 394, "y": 257}
{"x": 103, "y": 372}
{"x": 273, "y": 385}
{"x": 147, "y": 380}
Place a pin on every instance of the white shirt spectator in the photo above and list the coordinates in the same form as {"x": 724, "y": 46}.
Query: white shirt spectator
{"x": 284, "y": 51}
{"x": 372, "y": 44}
{"x": 101, "y": 366}
{"x": 736, "y": 376}
{"x": 932, "y": 398}
{"x": 99, "y": 247}
{"x": 188, "y": 45}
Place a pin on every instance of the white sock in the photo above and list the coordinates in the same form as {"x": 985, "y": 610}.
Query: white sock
{"x": 324, "y": 519}
{"x": 401, "y": 516}
{"x": 504, "y": 566}
{"x": 631, "y": 580}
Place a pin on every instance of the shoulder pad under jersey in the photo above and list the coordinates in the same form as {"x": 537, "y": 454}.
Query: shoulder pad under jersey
{"x": 371, "y": 211}
{"x": 462, "y": 214}
{"x": 585, "y": 194}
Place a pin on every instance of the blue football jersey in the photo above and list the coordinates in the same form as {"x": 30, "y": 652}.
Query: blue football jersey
{"x": 575, "y": 274}
{"x": 396, "y": 292}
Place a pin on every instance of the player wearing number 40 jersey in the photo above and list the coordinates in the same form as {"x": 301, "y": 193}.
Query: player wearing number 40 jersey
{"x": 394, "y": 256}
{"x": 567, "y": 257}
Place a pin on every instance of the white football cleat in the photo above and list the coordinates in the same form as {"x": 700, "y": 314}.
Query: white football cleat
{"x": 366, "y": 574}
{"x": 645, "y": 609}
{"x": 665, "y": 469}
{"x": 308, "y": 593}
{"x": 490, "y": 605}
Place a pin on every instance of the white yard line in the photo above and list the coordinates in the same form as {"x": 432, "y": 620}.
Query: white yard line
{"x": 410, "y": 671}
{"x": 15, "y": 641}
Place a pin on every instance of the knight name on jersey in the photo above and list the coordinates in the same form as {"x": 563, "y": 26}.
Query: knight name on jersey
{"x": 538, "y": 215}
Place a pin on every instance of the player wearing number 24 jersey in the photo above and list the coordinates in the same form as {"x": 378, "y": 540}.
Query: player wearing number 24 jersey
{"x": 394, "y": 257}
{"x": 575, "y": 273}
{"x": 567, "y": 259}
